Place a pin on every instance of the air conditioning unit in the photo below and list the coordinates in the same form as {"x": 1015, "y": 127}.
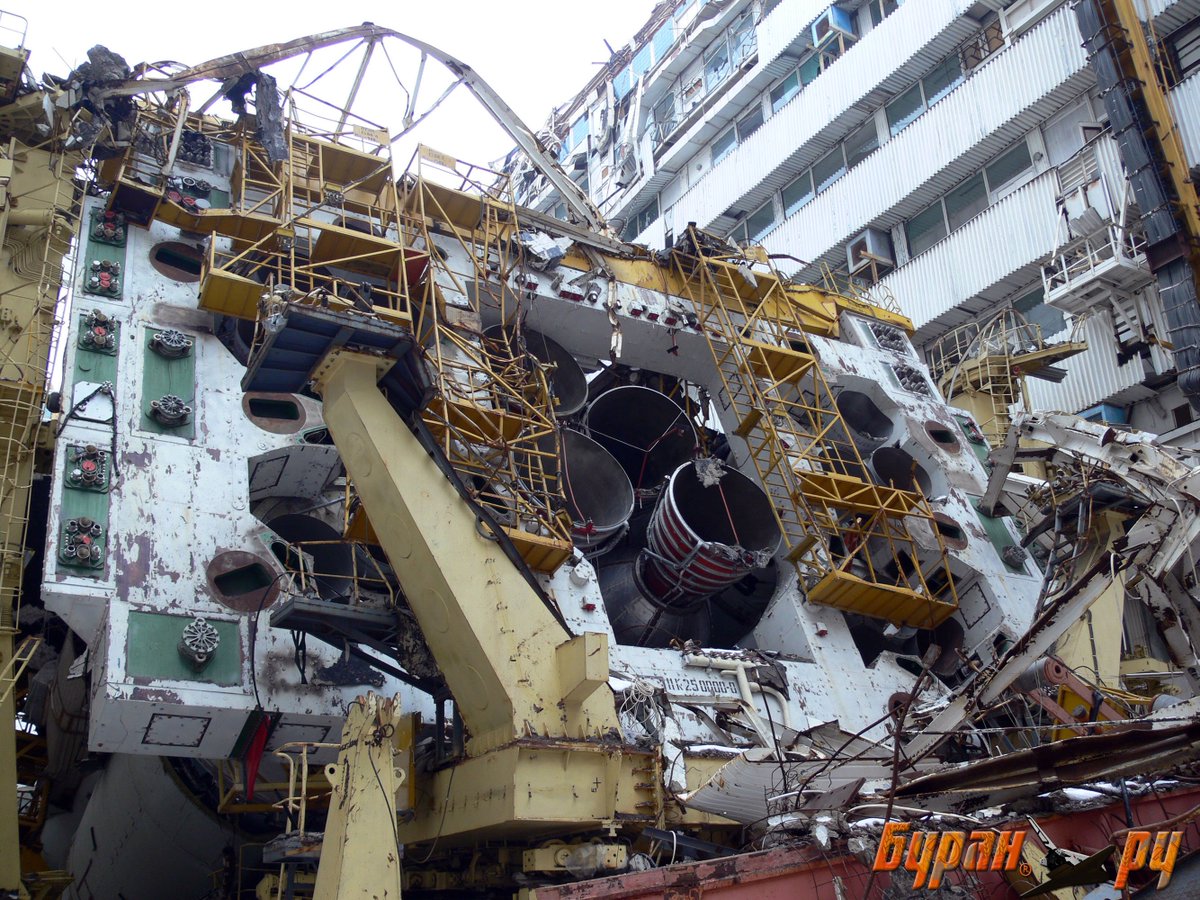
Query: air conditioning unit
{"x": 833, "y": 21}
{"x": 872, "y": 246}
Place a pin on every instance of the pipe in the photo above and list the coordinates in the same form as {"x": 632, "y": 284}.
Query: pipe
{"x": 36, "y": 217}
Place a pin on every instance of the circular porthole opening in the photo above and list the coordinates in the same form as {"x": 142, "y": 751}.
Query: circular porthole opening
{"x": 278, "y": 413}
{"x": 177, "y": 260}
{"x": 242, "y": 581}
{"x": 863, "y": 416}
{"x": 943, "y": 436}
{"x": 953, "y": 534}
{"x": 898, "y": 469}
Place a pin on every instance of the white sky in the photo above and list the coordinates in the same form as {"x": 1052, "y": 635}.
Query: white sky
{"x": 534, "y": 53}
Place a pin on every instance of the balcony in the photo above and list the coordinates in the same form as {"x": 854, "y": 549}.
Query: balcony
{"x": 1093, "y": 269}
{"x": 1005, "y": 97}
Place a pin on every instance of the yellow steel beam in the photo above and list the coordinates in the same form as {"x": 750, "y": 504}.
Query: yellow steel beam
{"x": 360, "y": 855}
{"x": 489, "y": 631}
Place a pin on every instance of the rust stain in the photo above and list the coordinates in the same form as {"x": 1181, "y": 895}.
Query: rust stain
{"x": 136, "y": 459}
{"x": 137, "y": 566}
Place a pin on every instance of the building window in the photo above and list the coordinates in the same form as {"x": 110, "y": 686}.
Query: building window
{"x": 1183, "y": 49}
{"x": 829, "y": 168}
{"x": 922, "y": 95}
{"x": 642, "y": 60}
{"x": 663, "y": 118}
{"x": 968, "y": 198}
{"x": 663, "y": 40}
{"x": 796, "y": 194}
{"x": 749, "y": 123}
{"x": 925, "y": 229}
{"x": 881, "y": 9}
{"x": 1182, "y": 415}
{"x": 576, "y": 136}
{"x": 641, "y": 220}
{"x": 724, "y": 144}
{"x": 756, "y": 225}
{"x": 784, "y": 91}
{"x": 623, "y": 83}
{"x": 861, "y": 143}
{"x": 966, "y": 201}
{"x": 742, "y": 42}
{"x": 1008, "y": 168}
{"x": 760, "y": 222}
{"x": 1048, "y": 318}
{"x": 987, "y": 41}
{"x": 716, "y": 65}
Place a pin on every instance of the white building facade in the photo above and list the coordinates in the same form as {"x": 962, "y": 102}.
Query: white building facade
{"x": 964, "y": 146}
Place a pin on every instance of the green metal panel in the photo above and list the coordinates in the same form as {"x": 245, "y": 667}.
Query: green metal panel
{"x": 974, "y": 437}
{"x": 77, "y": 459}
{"x": 101, "y": 252}
{"x": 93, "y": 505}
{"x": 162, "y": 376}
{"x": 94, "y": 365}
{"x": 153, "y": 650}
{"x": 999, "y": 535}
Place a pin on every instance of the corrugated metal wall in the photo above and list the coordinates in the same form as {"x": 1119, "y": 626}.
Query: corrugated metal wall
{"x": 1185, "y": 103}
{"x": 781, "y": 25}
{"x": 1168, "y": 14}
{"x": 1018, "y": 230}
{"x": 1093, "y": 376}
{"x": 1004, "y": 98}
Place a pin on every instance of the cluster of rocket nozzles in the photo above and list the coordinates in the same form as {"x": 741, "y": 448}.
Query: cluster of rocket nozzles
{"x": 666, "y": 530}
{"x": 708, "y": 527}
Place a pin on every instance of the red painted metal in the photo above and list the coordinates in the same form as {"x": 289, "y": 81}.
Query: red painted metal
{"x": 805, "y": 873}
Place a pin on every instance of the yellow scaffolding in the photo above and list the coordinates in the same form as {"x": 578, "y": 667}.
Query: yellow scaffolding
{"x": 848, "y": 536}
{"x": 493, "y": 413}
{"x": 983, "y": 367}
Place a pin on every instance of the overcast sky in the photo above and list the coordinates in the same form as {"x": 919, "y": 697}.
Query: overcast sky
{"x": 535, "y": 53}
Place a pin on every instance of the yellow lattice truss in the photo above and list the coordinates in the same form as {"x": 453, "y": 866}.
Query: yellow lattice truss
{"x": 329, "y": 225}
{"x": 981, "y": 367}
{"x": 849, "y": 536}
{"x": 492, "y": 413}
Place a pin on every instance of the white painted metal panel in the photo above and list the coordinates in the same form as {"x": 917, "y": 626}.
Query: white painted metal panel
{"x": 1018, "y": 230}
{"x": 997, "y": 104}
{"x": 1185, "y": 103}
{"x": 781, "y": 25}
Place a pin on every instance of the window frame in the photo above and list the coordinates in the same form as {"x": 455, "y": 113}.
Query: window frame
{"x": 761, "y": 233}
{"x": 778, "y": 103}
{"x": 716, "y": 157}
{"x": 789, "y": 211}
{"x": 637, "y": 224}
{"x": 756, "y": 110}
{"x": 993, "y": 194}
